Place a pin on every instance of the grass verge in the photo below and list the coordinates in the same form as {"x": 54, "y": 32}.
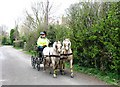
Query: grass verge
{"x": 26, "y": 52}
{"x": 108, "y": 77}
{"x": 18, "y": 48}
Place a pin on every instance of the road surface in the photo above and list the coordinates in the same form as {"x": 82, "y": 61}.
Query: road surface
{"x": 16, "y": 69}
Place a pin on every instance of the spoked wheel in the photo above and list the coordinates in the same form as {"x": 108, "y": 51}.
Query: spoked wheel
{"x": 39, "y": 61}
{"x": 33, "y": 62}
{"x": 38, "y": 64}
{"x": 38, "y": 67}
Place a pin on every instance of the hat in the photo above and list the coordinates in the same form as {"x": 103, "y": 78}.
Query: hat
{"x": 41, "y": 33}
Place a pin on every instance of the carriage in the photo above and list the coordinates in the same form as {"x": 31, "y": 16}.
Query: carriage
{"x": 36, "y": 59}
{"x": 56, "y": 55}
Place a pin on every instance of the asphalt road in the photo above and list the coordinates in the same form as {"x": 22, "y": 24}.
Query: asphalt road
{"x": 16, "y": 69}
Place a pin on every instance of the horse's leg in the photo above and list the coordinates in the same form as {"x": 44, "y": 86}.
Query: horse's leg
{"x": 71, "y": 68}
{"x": 63, "y": 68}
{"x": 44, "y": 64}
{"x": 54, "y": 72}
{"x": 54, "y": 68}
{"x": 50, "y": 63}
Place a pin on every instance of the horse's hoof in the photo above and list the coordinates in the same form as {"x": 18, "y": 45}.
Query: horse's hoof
{"x": 72, "y": 76}
{"x": 33, "y": 67}
{"x": 54, "y": 76}
{"x": 50, "y": 72}
{"x": 62, "y": 73}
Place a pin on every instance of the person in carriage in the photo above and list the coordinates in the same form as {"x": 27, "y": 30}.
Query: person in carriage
{"x": 42, "y": 42}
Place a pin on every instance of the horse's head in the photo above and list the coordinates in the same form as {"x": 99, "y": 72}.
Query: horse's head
{"x": 57, "y": 46}
{"x": 66, "y": 44}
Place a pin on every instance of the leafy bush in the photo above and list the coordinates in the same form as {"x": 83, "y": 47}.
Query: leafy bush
{"x": 5, "y": 41}
{"x": 18, "y": 43}
{"x": 95, "y": 39}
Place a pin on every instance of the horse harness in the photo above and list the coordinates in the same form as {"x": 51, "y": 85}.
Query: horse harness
{"x": 61, "y": 56}
{"x": 65, "y": 56}
{"x": 52, "y": 55}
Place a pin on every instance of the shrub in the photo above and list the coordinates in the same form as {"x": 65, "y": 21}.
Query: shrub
{"x": 18, "y": 43}
{"x": 5, "y": 41}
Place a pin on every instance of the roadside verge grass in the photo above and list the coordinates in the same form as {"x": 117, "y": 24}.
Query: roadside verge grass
{"x": 108, "y": 77}
{"x": 26, "y": 52}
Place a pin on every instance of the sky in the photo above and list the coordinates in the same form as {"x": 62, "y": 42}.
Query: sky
{"x": 14, "y": 10}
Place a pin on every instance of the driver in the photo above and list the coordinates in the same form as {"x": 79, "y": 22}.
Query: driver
{"x": 42, "y": 42}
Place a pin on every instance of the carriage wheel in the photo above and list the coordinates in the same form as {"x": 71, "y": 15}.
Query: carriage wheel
{"x": 38, "y": 67}
{"x": 33, "y": 62}
{"x": 41, "y": 60}
{"x": 38, "y": 64}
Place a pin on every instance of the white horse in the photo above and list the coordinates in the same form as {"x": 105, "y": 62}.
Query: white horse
{"x": 52, "y": 56}
{"x": 66, "y": 55}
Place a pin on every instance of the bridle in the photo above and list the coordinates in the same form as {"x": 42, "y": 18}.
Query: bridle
{"x": 65, "y": 54}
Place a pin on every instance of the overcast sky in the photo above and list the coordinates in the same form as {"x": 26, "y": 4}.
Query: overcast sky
{"x": 13, "y": 10}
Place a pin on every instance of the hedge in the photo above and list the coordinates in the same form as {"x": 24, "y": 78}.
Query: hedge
{"x": 18, "y": 43}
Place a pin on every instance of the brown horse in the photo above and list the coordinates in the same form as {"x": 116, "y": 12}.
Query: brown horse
{"x": 66, "y": 55}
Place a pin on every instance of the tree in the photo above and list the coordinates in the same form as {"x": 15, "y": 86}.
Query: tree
{"x": 95, "y": 34}
{"x": 4, "y": 40}
{"x": 3, "y": 34}
{"x": 16, "y": 33}
{"x": 12, "y": 36}
{"x": 3, "y": 29}
{"x": 35, "y": 22}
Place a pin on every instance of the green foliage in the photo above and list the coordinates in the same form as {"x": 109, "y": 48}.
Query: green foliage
{"x": 95, "y": 38}
{"x": 5, "y": 41}
{"x": 111, "y": 78}
{"x": 12, "y": 37}
{"x": 23, "y": 38}
{"x": 32, "y": 40}
{"x": 51, "y": 34}
{"x": 18, "y": 43}
{"x": 58, "y": 32}
{"x": 14, "y": 34}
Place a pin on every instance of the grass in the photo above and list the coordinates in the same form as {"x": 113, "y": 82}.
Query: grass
{"x": 27, "y": 52}
{"x": 18, "y": 48}
{"x": 110, "y": 78}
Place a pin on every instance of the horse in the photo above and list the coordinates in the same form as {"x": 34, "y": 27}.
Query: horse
{"x": 52, "y": 56}
{"x": 66, "y": 55}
